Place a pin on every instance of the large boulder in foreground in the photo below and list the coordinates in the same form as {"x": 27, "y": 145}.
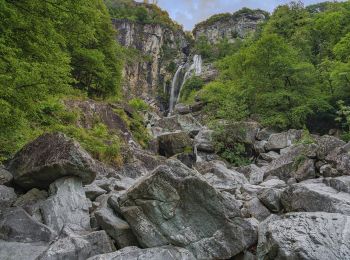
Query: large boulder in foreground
{"x": 318, "y": 236}
{"x": 157, "y": 253}
{"x": 48, "y": 158}
{"x": 175, "y": 205}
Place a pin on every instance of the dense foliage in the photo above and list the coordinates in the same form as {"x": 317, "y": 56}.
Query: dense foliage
{"x": 140, "y": 12}
{"x": 291, "y": 73}
{"x": 50, "y": 50}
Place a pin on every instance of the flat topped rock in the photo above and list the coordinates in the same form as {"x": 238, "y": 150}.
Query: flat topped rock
{"x": 48, "y": 158}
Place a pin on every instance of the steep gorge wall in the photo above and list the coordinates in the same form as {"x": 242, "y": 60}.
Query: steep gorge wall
{"x": 159, "y": 51}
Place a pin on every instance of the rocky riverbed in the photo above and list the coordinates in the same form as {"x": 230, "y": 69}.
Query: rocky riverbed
{"x": 178, "y": 200}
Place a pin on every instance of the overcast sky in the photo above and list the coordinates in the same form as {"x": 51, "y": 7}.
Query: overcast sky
{"x": 190, "y": 12}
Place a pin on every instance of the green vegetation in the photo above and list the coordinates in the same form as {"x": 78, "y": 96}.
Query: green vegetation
{"x": 229, "y": 144}
{"x": 191, "y": 86}
{"x": 51, "y": 51}
{"x": 343, "y": 117}
{"x": 135, "y": 121}
{"x": 212, "y": 52}
{"x": 290, "y": 74}
{"x": 140, "y": 12}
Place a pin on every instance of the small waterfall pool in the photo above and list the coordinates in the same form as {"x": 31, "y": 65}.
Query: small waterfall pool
{"x": 183, "y": 73}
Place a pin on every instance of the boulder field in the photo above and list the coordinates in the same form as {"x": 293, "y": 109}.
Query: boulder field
{"x": 293, "y": 202}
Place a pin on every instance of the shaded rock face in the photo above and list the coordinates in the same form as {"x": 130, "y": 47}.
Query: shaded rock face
{"x": 231, "y": 27}
{"x": 161, "y": 45}
{"x": 175, "y": 205}
{"x": 48, "y": 158}
{"x": 320, "y": 236}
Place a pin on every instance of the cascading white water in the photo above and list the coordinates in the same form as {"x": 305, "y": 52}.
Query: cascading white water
{"x": 196, "y": 68}
{"x": 183, "y": 73}
{"x": 174, "y": 85}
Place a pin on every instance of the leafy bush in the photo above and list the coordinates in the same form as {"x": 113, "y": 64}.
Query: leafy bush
{"x": 138, "y": 104}
{"x": 229, "y": 147}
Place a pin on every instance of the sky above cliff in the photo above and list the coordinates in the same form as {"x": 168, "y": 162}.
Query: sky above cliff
{"x": 190, "y": 12}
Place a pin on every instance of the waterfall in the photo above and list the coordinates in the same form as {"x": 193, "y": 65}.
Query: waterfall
{"x": 183, "y": 73}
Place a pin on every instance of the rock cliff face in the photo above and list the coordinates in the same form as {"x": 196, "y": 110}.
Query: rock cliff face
{"x": 158, "y": 50}
{"x": 231, "y": 27}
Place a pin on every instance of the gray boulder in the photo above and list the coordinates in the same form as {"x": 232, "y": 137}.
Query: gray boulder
{"x": 305, "y": 170}
{"x": 259, "y": 146}
{"x": 182, "y": 109}
{"x": 312, "y": 196}
{"x": 21, "y": 251}
{"x": 341, "y": 184}
{"x": 204, "y": 142}
{"x": 74, "y": 244}
{"x": 327, "y": 170}
{"x": 264, "y": 134}
{"x": 117, "y": 228}
{"x": 17, "y": 226}
{"x": 270, "y": 156}
{"x": 175, "y": 205}
{"x": 293, "y": 163}
{"x": 7, "y": 196}
{"x": 220, "y": 177}
{"x": 253, "y": 173}
{"x": 327, "y": 144}
{"x": 175, "y": 123}
{"x": 339, "y": 158}
{"x": 5, "y": 176}
{"x": 283, "y": 140}
{"x": 174, "y": 143}
{"x": 256, "y": 209}
{"x": 316, "y": 236}
{"x": 67, "y": 204}
{"x": 271, "y": 198}
{"x": 48, "y": 158}
{"x": 31, "y": 201}
{"x": 31, "y": 197}
{"x": 92, "y": 191}
{"x": 157, "y": 253}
